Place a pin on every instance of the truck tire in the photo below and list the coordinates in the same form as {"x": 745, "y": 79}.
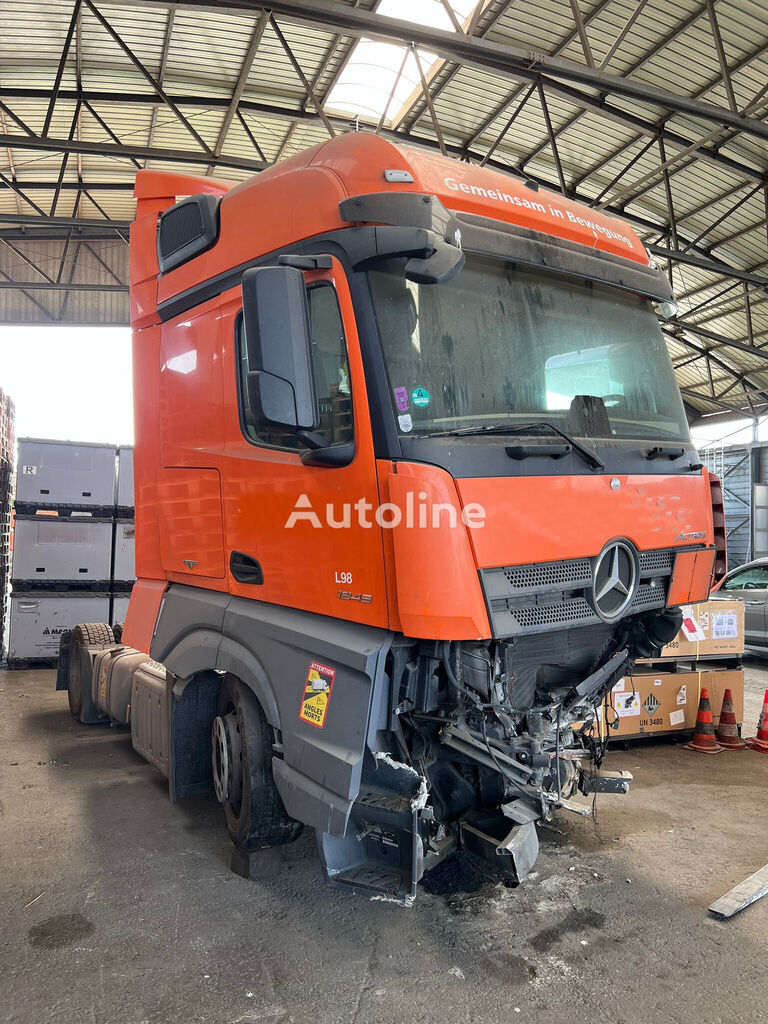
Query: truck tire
{"x": 241, "y": 752}
{"x": 89, "y": 634}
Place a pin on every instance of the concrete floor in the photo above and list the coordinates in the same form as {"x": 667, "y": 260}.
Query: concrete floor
{"x": 139, "y": 920}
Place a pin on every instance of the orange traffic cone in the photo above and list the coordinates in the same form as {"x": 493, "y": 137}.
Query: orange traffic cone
{"x": 727, "y": 734}
{"x": 760, "y": 742}
{"x": 704, "y": 731}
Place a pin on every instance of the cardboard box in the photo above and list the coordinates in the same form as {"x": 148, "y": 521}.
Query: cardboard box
{"x": 649, "y": 703}
{"x": 709, "y": 628}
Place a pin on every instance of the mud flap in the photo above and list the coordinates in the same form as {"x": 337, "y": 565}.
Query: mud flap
{"x": 381, "y": 854}
{"x": 62, "y": 666}
{"x": 512, "y": 851}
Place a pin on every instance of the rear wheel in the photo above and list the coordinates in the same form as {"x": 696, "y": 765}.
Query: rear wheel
{"x": 241, "y": 756}
{"x": 90, "y": 634}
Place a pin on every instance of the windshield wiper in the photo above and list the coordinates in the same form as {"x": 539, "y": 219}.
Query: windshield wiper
{"x": 589, "y": 456}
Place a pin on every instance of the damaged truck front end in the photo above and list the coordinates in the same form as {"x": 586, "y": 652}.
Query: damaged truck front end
{"x": 486, "y": 739}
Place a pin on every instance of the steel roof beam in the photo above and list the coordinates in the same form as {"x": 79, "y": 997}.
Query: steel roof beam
{"x": 510, "y": 121}
{"x": 239, "y": 89}
{"x": 9, "y": 283}
{"x": 129, "y": 151}
{"x": 428, "y": 101}
{"x": 161, "y": 70}
{"x": 740, "y": 233}
{"x": 146, "y": 74}
{"x": 583, "y": 38}
{"x": 64, "y": 222}
{"x": 302, "y": 77}
{"x": 416, "y": 110}
{"x": 71, "y": 186}
{"x": 720, "y": 339}
{"x": 735, "y": 374}
{"x": 26, "y": 260}
{"x": 711, "y": 401}
{"x": 62, "y": 64}
{"x": 552, "y": 138}
{"x": 251, "y": 137}
{"x": 647, "y": 128}
{"x": 64, "y": 161}
{"x": 711, "y": 84}
{"x": 713, "y": 266}
{"x": 622, "y": 34}
{"x": 60, "y": 286}
{"x": 96, "y": 231}
{"x": 561, "y": 46}
{"x": 724, "y": 69}
{"x": 483, "y": 53}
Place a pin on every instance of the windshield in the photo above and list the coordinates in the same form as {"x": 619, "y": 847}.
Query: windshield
{"x": 503, "y": 343}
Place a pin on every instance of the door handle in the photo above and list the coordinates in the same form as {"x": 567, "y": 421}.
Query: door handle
{"x": 245, "y": 569}
{"x": 754, "y": 604}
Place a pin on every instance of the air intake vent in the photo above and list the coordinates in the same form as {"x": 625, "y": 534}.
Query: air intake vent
{"x": 558, "y": 595}
{"x": 187, "y": 229}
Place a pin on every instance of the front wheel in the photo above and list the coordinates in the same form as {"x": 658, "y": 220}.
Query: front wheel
{"x": 241, "y": 757}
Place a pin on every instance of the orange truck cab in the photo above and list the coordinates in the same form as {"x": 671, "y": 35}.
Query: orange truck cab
{"x": 414, "y": 489}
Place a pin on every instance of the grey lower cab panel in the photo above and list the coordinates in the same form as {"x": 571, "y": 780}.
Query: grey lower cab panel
{"x": 273, "y": 649}
{"x": 149, "y": 715}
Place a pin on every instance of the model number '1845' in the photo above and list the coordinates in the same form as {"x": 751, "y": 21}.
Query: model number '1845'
{"x": 347, "y": 595}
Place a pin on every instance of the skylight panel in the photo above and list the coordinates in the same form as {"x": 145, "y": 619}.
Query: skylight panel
{"x": 381, "y": 75}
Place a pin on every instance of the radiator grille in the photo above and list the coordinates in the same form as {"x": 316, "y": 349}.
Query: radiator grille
{"x": 655, "y": 561}
{"x": 531, "y": 577}
{"x": 555, "y": 595}
{"x": 562, "y": 612}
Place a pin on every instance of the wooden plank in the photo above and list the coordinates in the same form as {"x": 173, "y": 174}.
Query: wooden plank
{"x": 746, "y": 892}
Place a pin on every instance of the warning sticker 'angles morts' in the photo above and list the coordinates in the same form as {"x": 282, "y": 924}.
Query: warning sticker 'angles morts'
{"x": 317, "y": 694}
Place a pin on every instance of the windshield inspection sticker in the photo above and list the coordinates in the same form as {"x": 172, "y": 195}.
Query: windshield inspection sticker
{"x": 317, "y": 694}
{"x": 406, "y": 423}
{"x": 420, "y": 397}
{"x": 401, "y": 399}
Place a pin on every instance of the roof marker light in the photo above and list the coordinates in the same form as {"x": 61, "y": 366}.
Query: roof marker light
{"x": 667, "y": 310}
{"x": 398, "y": 177}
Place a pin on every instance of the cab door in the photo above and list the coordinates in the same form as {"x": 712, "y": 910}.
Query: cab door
{"x": 299, "y": 535}
{"x": 190, "y": 424}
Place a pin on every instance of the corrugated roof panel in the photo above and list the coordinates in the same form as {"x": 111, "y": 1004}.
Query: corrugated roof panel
{"x": 670, "y": 45}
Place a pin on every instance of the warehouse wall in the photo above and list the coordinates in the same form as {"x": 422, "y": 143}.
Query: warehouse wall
{"x": 739, "y": 467}
{"x": 102, "y": 263}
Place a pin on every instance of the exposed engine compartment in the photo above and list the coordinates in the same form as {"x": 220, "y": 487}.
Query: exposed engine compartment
{"x": 498, "y": 734}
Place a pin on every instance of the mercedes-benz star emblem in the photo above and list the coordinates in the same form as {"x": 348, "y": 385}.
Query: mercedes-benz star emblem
{"x": 614, "y": 580}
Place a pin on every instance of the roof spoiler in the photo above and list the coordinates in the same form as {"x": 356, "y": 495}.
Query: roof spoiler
{"x": 157, "y": 190}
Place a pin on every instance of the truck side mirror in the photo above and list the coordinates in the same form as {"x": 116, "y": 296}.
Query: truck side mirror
{"x": 278, "y": 342}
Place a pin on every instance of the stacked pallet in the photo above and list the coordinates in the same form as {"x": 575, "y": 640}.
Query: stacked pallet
{"x": 7, "y": 451}
{"x": 73, "y": 543}
{"x": 662, "y": 695}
